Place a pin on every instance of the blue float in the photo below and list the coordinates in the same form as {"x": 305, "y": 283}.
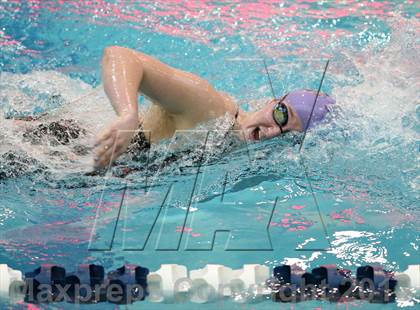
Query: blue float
{"x": 86, "y": 284}
{"x": 127, "y": 284}
{"x": 45, "y": 284}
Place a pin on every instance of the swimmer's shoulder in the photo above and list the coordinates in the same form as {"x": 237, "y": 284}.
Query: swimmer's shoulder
{"x": 231, "y": 105}
{"x": 225, "y": 103}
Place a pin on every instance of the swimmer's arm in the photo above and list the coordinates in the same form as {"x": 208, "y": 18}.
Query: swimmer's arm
{"x": 177, "y": 91}
{"x": 122, "y": 73}
{"x": 183, "y": 95}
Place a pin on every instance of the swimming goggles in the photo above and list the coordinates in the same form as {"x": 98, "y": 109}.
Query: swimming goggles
{"x": 281, "y": 113}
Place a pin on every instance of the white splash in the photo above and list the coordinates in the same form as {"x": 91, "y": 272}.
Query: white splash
{"x": 358, "y": 247}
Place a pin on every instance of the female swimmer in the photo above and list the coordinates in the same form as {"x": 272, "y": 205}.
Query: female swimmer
{"x": 182, "y": 100}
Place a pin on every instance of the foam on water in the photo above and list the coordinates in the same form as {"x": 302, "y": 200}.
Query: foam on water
{"x": 371, "y": 144}
{"x": 51, "y": 96}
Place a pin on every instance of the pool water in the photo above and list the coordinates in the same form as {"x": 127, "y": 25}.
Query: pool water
{"x": 362, "y": 165}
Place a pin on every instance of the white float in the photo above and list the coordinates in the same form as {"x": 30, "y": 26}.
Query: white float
{"x": 248, "y": 284}
{"x": 7, "y": 277}
{"x": 209, "y": 283}
{"x": 408, "y": 285}
{"x": 168, "y": 284}
{"x": 409, "y": 278}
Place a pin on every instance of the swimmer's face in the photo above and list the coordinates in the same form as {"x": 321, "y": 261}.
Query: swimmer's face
{"x": 261, "y": 125}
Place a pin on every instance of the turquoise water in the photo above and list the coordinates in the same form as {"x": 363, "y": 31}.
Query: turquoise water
{"x": 362, "y": 164}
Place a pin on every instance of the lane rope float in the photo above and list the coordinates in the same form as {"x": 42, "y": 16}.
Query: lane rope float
{"x": 174, "y": 283}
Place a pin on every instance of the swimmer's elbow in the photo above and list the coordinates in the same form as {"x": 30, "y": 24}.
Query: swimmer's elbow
{"x": 115, "y": 49}
{"x": 124, "y": 53}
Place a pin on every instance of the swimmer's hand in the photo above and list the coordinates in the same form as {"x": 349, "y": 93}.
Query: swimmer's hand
{"x": 115, "y": 139}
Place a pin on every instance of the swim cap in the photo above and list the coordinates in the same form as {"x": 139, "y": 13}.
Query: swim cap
{"x": 302, "y": 101}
